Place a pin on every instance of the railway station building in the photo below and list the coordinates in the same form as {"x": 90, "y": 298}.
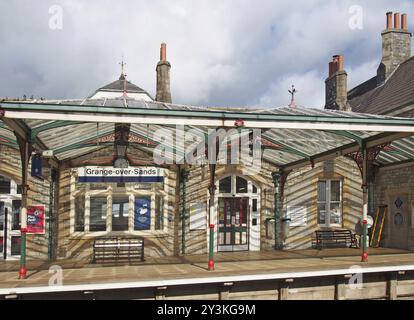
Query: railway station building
{"x": 116, "y": 164}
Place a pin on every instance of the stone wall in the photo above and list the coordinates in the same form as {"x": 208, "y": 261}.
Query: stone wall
{"x": 301, "y": 191}
{"x": 392, "y": 183}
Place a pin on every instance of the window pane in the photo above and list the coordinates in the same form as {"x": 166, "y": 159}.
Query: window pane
{"x": 241, "y": 185}
{"x": 15, "y": 246}
{"x": 322, "y": 191}
{"x": 254, "y": 205}
{"x": 16, "y": 204}
{"x": 159, "y": 213}
{"x": 2, "y": 215}
{"x": 80, "y": 213}
{"x": 335, "y": 191}
{"x": 225, "y": 185}
{"x": 321, "y": 213}
{"x": 120, "y": 213}
{"x": 5, "y": 186}
{"x": 98, "y": 214}
{"x": 335, "y": 213}
{"x": 221, "y": 210}
{"x": 254, "y": 189}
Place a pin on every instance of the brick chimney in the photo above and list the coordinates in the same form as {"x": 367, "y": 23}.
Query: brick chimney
{"x": 163, "y": 77}
{"x": 336, "y": 86}
{"x": 396, "y": 45}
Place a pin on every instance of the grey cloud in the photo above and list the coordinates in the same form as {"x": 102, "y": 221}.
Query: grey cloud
{"x": 222, "y": 52}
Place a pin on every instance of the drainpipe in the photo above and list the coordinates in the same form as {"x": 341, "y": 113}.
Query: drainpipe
{"x": 277, "y": 183}
{"x": 184, "y": 178}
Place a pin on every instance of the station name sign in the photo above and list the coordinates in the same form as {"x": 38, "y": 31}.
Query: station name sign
{"x": 120, "y": 175}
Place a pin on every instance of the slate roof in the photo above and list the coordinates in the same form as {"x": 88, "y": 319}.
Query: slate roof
{"x": 396, "y": 92}
{"x": 121, "y": 84}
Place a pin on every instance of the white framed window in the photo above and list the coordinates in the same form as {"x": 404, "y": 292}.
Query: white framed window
{"x": 10, "y": 205}
{"x": 329, "y": 203}
{"x": 110, "y": 208}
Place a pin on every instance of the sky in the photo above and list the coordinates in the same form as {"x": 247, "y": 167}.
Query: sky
{"x": 237, "y": 53}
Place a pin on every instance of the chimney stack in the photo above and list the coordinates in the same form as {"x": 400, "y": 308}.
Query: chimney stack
{"x": 163, "y": 77}
{"x": 404, "y": 22}
{"x": 396, "y": 45}
{"x": 397, "y": 21}
{"x": 389, "y": 20}
{"x": 336, "y": 86}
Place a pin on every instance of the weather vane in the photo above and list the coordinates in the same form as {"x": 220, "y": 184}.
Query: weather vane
{"x": 122, "y": 64}
{"x": 292, "y": 93}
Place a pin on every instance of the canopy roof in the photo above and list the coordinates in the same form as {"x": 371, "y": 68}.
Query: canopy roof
{"x": 290, "y": 137}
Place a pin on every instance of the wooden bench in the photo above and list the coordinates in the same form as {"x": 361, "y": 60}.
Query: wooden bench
{"x": 334, "y": 239}
{"x": 114, "y": 249}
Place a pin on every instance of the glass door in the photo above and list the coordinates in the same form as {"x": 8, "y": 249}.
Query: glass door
{"x": 10, "y": 203}
{"x": 10, "y": 228}
{"x": 233, "y": 224}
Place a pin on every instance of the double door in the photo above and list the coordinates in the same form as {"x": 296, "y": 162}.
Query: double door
{"x": 233, "y": 224}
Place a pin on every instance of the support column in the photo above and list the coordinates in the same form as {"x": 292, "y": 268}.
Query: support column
{"x": 184, "y": 178}
{"x": 25, "y": 153}
{"x": 176, "y": 243}
{"x": 277, "y": 183}
{"x": 212, "y": 190}
{"x": 364, "y": 257}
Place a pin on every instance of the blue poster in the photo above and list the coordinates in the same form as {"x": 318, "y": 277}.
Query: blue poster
{"x": 142, "y": 214}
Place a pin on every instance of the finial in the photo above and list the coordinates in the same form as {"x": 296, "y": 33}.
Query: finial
{"x": 122, "y": 64}
{"x": 292, "y": 93}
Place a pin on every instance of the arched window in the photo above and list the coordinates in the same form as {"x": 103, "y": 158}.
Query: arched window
{"x": 235, "y": 184}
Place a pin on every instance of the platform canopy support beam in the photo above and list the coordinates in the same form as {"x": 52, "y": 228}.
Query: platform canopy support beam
{"x": 212, "y": 192}
{"x": 364, "y": 152}
{"x": 25, "y": 154}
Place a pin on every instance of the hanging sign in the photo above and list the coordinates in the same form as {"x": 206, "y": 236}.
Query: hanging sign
{"x": 97, "y": 174}
{"x": 142, "y": 214}
{"x": 36, "y": 219}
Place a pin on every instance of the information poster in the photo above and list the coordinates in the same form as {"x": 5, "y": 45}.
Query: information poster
{"x": 36, "y": 219}
{"x": 142, "y": 215}
{"x": 298, "y": 216}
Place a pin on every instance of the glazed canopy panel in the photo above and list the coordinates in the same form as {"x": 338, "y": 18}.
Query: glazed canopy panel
{"x": 290, "y": 136}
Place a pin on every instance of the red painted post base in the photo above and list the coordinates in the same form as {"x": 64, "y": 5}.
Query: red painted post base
{"x": 364, "y": 257}
{"x": 22, "y": 273}
{"x": 210, "y": 265}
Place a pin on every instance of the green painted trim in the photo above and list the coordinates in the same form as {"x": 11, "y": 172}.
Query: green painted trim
{"x": 210, "y": 114}
{"x": 289, "y": 149}
{"x": 53, "y": 125}
{"x": 11, "y": 141}
{"x": 347, "y": 134}
{"x": 82, "y": 142}
{"x": 401, "y": 152}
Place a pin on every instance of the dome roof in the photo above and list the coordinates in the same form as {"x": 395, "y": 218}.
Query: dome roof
{"x": 121, "y": 87}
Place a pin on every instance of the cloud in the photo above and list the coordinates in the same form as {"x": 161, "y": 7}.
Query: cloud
{"x": 227, "y": 53}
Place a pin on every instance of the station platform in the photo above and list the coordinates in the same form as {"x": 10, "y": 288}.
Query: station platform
{"x": 227, "y": 265}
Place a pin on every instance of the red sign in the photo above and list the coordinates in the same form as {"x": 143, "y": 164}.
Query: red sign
{"x": 36, "y": 219}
